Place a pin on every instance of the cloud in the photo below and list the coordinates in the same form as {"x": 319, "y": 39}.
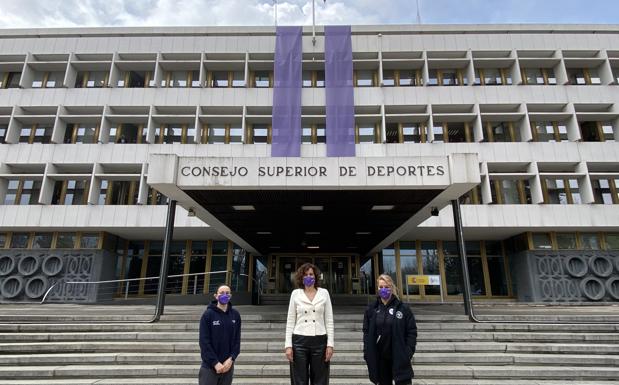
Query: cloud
{"x": 91, "y": 13}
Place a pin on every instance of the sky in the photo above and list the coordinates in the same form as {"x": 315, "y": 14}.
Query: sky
{"x": 101, "y": 13}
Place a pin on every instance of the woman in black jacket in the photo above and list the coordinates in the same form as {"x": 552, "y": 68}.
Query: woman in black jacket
{"x": 389, "y": 337}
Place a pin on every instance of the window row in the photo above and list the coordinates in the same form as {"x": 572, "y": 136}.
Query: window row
{"x": 73, "y": 192}
{"x": 310, "y": 78}
{"x": 368, "y": 132}
{"x": 571, "y": 241}
{"x": 51, "y": 240}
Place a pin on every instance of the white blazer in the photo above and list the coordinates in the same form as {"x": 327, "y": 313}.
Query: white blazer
{"x": 309, "y": 318}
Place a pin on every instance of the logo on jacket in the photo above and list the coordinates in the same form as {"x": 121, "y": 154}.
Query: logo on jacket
{"x": 399, "y": 315}
{"x": 391, "y": 311}
{"x": 233, "y": 321}
{"x": 216, "y": 323}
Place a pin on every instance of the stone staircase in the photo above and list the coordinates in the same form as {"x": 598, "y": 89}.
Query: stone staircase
{"x": 451, "y": 350}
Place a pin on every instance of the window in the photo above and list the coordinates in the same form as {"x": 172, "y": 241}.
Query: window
{"x": 408, "y": 78}
{"x": 260, "y": 133}
{"x": 549, "y": 132}
{"x": 452, "y": 132}
{"x": 389, "y": 78}
{"x": 219, "y": 79}
{"x": 222, "y": 133}
{"x": 66, "y": 240}
{"x": 612, "y": 241}
{"x": 81, "y": 133}
{"x": 219, "y": 262}
{"x": 262, "y": 79}
{"x": 538, "y": 76}
{"x": 41, "y": 79}
{"x": 583, "y": 76}
{"x": 605, "y": 191}
{"x": 408, "y": 266}
{"x": 20, "y": 240}
{"x": 3, "y": 129}
{"x": 25, "y": 192}
{"x": 502, "y": 132}
{"x": 472, "y": 197}
{"x": 42, "y": 241}
{"x": 453, "y": 269}
{"x": 197, "y": 264}
{"x": 367, "y": 133}
{"x": 156, "y": 198}
{"x": 103, "y": 192}
{"x": 70, "y": 192}
{"x": 447, "y": 77}
{"x": 9, "y": 79}
{"x": 35, "y": 134}
{"x": 91, "y": 79}
{"x": 127, "y": 133}
{"x": 496, "y": 268}
{"x": 508, "y": 191}
{"x": 566, "y": 241}
{"x": 492, "y": 76}
{"x": 596, "y": 131}
{"x": 134, "y": 79}
{"x": 89, "y": 241}
{"x": 121, "y": 193}
{"x": 404, "y": 133}
{"x": 541, "y": 241}
{"x": 180, "y": 79}
{"x": 430, "y": 265}
{"x": 561, "y": 191}
{"x": 364, "y": 78}
{"x": 590, "y": 241}
{"x": 313, "y": 133}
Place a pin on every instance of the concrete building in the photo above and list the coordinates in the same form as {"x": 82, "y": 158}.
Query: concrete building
{"x": 280, "y": 151}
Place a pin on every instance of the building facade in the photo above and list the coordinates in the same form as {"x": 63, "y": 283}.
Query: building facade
{"x": 98, "y": 127}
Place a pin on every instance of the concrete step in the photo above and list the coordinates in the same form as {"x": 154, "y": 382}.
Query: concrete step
{"x": 280, "y": 326}
{"x": 286, "y": 381}
{"x": 352, "y": 358}
{"x": 337, "y": 371}
{"x": 343, "y": 336}
{"x": 276, "y": 347}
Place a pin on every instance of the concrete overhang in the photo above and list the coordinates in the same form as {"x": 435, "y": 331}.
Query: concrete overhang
{"x": 355, "y": 205}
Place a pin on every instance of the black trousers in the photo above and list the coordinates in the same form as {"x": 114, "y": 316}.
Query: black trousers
{"x": 309, "y": 366}
{"x": 385, "y": 374}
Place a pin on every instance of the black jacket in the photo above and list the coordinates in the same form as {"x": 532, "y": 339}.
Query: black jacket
{"x": 403, "y": 340}
{"x": 220, "y": 335}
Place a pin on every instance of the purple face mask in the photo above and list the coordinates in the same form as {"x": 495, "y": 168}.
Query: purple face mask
{"x": 308, "y": 281}
{"x": 224, "y": 298}
{"x": 384, "y": 292}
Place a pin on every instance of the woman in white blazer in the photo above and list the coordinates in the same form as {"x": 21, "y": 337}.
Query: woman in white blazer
{"x": 309, "y": 329}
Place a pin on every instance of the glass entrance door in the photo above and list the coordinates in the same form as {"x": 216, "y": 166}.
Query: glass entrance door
{"x": 335, "y": 272}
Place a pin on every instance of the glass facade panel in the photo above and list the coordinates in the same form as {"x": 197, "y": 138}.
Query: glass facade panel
{"x": 590, "y": 241}
{"x": 541, "y": 241}
{"x": 566, "y": 241}
{"x": 367, "y": 134}
{"x": 66, "y": 240}
{"x": 20, "y": 240}
{"x": 42, "y": 240}
{"x": 89, "y": 241}
{"x": 388, "y": 262}
{"x": 612, "y": 241}
{"x": 408, "y": 266}
{"x": 453, "y": 268}
{"x": 430, "y": 265}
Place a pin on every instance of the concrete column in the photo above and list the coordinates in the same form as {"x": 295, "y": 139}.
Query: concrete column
{"x": 605, "y": 70}
{"x": 429, "y": 132}
{"x": 47, "y": 185}
{"x": 114, "y": 72}
{"x": 198, "y": 126}
{"x": 515, "y": 69}
{"x": 60, "y": 127}
{"x": 383, "y": 125}
{"x": 525, "y": 124}
{"x": 559, "y": 68}
{"x": 150, "y": 135}
{"x": 486, "y": 193}
{"x": 478, "y": 129}
{"x": 71, "y": 74}
{"x": 14, "y": 127}
{"x": 143, "y": 186}
{"x": 584, "y": 183}
{"x": 573, "y": 130}
{"x": 470, "y": 68}
{"x": 104, "y": 128}
{"x": 202, "y": 75}
{"x": 158, "y": 75}
{"x": 27, "y": 73}
{"x": 95, "y": 185}
{"x": 425, "y": 73}
{"x": 535, "y": 183}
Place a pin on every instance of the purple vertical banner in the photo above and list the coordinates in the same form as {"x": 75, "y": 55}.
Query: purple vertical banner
{"x": 286, "y": 123}
{"x": 339, "y": 91}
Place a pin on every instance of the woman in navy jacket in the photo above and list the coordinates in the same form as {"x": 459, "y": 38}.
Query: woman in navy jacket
{"x": 389, "y": 337}
{"x": 220, "y": 339}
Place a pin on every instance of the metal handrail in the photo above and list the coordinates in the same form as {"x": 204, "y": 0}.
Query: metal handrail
{"x": 127, "y": 280}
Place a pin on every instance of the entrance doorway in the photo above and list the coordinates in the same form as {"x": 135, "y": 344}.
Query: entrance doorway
{"x": 335, "y": 272}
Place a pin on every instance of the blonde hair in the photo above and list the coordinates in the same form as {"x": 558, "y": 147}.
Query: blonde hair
{"x": 387, "y": 278}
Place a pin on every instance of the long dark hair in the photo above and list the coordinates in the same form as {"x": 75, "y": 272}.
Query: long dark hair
{"x": 298, "y": 277}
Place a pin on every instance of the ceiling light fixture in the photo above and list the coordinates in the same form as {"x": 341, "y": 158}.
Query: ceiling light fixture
{"x": 244, "y": 208}
{"x": 264, "y": 232}
{"x": 363, "y": 233}
{"x": 312, "y": 208}
{"x": 382, "y": 207}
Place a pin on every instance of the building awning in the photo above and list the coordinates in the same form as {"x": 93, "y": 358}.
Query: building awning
{"x": 306, "y": 205}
